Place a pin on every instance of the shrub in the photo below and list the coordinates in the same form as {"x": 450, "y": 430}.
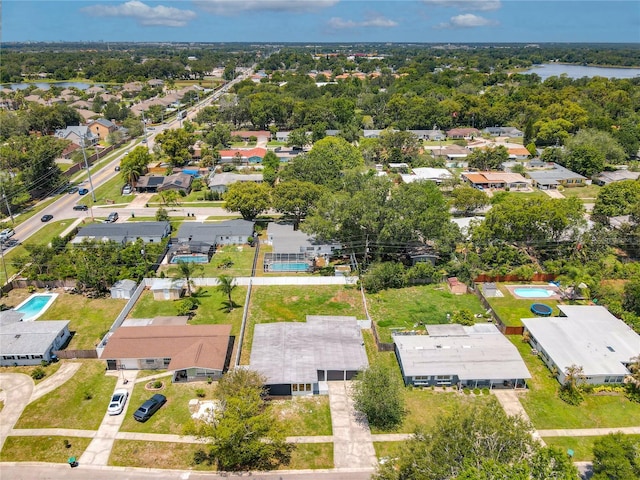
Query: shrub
{"x": 66, "y": 443}
{"x": 200, "y": 393}
{"x": 31, "y": 289}
{"x": 485, "y": 391}
{"x": 87, "y": 395}
{"x": 463, "y": 317}
{"x": 200, "y": 456}
{"x": 572, "y": 396}
{"x": 157, "y": 384}
{"x": 466, "y": 391}
{"x": 38, "y": 373}
{"x": 476, "y": 391}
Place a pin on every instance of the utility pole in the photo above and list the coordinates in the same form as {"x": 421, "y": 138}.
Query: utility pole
{"x": 4, "y": 265}
{"x": 86, "y": 164}
{"x": 4, "y": 196}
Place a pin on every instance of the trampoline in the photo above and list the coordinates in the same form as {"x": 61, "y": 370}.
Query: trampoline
{"x": 541, "y": 309}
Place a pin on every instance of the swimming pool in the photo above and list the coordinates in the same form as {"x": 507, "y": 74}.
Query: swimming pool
{"x": 35, "y": 305}
{"x": 289, "y": 267}
{"x": 533, "y": 292}
{"x": 190, "y": 258}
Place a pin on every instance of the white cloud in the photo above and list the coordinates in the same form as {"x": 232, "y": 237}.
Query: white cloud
{"x": 144, "y": 14}
{"x": 371, "y": 21}
{"x": 231, "y": 7}
{"x": 478, "y": 5}
{"x": 467, "y": 20}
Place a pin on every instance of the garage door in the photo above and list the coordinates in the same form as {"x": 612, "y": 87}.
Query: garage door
{"x": 279, "y": 390}
{"x": 335, "y": 375}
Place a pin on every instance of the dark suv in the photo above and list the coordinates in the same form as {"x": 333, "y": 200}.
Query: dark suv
{"x": 148, "y": 408}
{"x": 82, "y": 208}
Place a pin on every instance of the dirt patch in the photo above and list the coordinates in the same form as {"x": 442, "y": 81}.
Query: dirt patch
{"x": 152, "y": 386}
{"x": 343, "y": 297}
{"x": 290, "y": 299}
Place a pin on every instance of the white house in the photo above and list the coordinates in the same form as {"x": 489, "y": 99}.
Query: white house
{"x": 30, "y": 343}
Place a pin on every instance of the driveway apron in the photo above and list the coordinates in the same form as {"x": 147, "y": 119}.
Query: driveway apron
{"x": 16, "y": 390}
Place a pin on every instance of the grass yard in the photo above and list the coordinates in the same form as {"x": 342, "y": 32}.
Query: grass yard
{"x": 90, "y": 317}
{"x": 293, "y": 304}
{"x": 141, "y": 454}
{"x": 27, "y": 370}
{"x": 106, "y": 194}
{"x": 547, "y": 411}
{"x": 587, "y": 193}
{"x": 511, "y": 309}
{"x": 389, "y": 449}
{"x": 310, "y": 456}
{"x": 304, "y": 416}
{"x": 239, "y": 256}
{"x": 68, "y": 405}
{"x": 173, "y": 415}
{"x": 404, "y": 308}
{"x": 42, "y": 449}
{"x": 582, "y": 446}
{"x": 23, "y": 216}
{"x": 210, "y": 312}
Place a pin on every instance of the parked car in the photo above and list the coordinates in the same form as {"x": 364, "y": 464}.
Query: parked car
{"x": 83, "y": 191}
{"x": 46, "y": 218}
{"x": 127, "y": 190}
{"x": 113, "y": 216}
{"x": 118, "y": 400}
{"x": 82, "y": 208}
{"x": 6, "y": 234}
{"x": 148, "y": 408}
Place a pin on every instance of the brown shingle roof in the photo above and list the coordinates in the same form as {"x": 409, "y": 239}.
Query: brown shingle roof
{"x": 202, "y": 346}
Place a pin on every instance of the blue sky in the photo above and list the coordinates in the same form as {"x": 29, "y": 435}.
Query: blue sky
{"x": 438, "y": 21}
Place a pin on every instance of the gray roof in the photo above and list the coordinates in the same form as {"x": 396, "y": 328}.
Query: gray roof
{"x": 554, "y": 175}
{"x": 167, "y": 284}
{"x": 30, "y": 338}
{"x": 119, "y": 232}
{"x": 10, "y": 316}
{"x": 589, "y": 336}
{"x": 227, "y": 178}
{"x": 480, "y": 352}
{"x": 209, "y": 232}
{"x": 293, "y": 352}
{"x": 125, "y": 284}
{"x": 617, "y": 176}
{"x": 287, "y": 240}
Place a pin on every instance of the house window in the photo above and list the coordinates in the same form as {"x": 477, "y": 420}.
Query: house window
{"x": 166, "y": 361}
{"x": 23, "y": 356}
{"x": 301, "y": 387}
{"x": 421, "y": 377}
{"x": 443, "y": 377}
{"x": 36, "y": 357}
{"x": 149, "y": 361}
{"x": 8, "y": 357}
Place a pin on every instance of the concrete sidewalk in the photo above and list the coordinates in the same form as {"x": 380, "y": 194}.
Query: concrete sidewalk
{"x": 352, "y": 443}
{"x": 64, "y": 373}
{"x": 510, "y": 402}
{"x": 588, "y": 432}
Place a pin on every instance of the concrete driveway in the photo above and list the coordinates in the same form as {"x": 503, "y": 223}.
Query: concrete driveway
{"x": 16, "y": 392}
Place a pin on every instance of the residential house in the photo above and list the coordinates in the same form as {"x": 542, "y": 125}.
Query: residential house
{"x": 463, "y": 133}
{"x": 555, "y": 176}
{"x": 503, "y": 132}
{"x": 605, "y": 178}
{"x": 242, "y": 155}
{"x": 500, "y": 180}
{"x": 86, "y": 114}
{"x": 247, "y": 134}
{"x": 190, "y": 352}
{"x": 587, "y": 336}
{"x": 167, "y": 288}
{"x": 198, "y": 238}
{"x": 102, "y": 127}
{"x": 77, "y": 134}
{"x": 455, "y": 355}
{"x": 219, "y": 182}
{"x": 298, "y": 358}
{"x": 30, "y": 343}
{"x": 429, "y": 135}
{"x": 453, "y": 155}
{"x": 127, "y": 232}
{"x": 437, "y": 175}
{"x": 149, "y": 183}
{"x": 177, "y": 181}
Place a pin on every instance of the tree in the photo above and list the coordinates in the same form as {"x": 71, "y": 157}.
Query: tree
{"x": 488, "y": 158}
{"x": 480, "y": 443}
{"x": 463, "y": 317}
{"x": 467, "y": 199}
{"x": 177, "y": 145}
{"x": 586, "y": 160}
{"x": 248, "y": 198}
{"x": 618, "y": 198}
{"x": 570, "y": 390}
{"x": 226, "y": 285}
{"x": 271, "y": 164}
{"x": 219, "y": 136}
{"x": 377, "y": 392}
{"x": 631, "y": 296}
{"x": 244, "y": 433}
{"x": 133, "y": 165}
{"x": 298, "y": 138}
{"x": 162, "y": 215}
{"x": 186, "y": 271}
{"x": 295, "y": 198}
{"x": 606, "y": 146}
{"x": 616, "y": 457}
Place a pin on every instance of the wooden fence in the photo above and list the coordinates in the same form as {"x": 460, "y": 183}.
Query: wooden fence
{"x": 70, "y": 354}
{"x": 538, "y": 277}
{"x": 504, "y": 328}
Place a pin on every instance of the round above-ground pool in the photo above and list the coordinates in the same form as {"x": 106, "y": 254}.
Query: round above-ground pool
{"x": 35, "y": 305}
{"x": 533, "y": 292}
{"x": 541, "y": 309}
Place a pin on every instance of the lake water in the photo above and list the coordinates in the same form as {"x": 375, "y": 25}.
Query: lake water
{"x": 578, "y": 71}
{"x": 46, "y": 86}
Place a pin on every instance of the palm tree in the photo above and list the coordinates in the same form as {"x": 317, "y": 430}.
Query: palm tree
{"x": 573, "y": 376}
{"x": 634, "y": 368}
{"x": 187, "y": 270}
{"x": 226, "y": 285}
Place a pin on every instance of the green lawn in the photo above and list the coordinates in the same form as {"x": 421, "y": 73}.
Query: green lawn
{"x": 240, "y": 257}
{"x": 50, "y": 449}
{"x": 28, "y": 370}
{"x": 547, "y": 411}
{"x": 68, "y": 407}
{"x": 511, "y": 309}
{"x": 90, "y": 317}
{"x": 310, "y": 456}
{"x": 210, "y": 311}
{"x": 587, "y": 193}
{"x": 304, "y": 416}
{"x": 293, "y": 304}
{"x": 174, "y": 415}
{"x": 141, "y": 454}
{"x": 407, "y": 308}
{"x": 106, "y": 194}
{"x": 389, "y": 449}
{"x": 582, "y": 446}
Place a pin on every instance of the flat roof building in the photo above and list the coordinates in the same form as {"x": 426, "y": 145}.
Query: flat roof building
{"x": 452, "y": 354}
{"x": 587, "y": 336}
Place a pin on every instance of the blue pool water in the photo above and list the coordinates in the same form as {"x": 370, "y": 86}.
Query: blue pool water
{"x": 533, "y": 292}
{"x": 190, "y": 258}
{"x": 289, "y": 267}
{"x": 35, "y": 306}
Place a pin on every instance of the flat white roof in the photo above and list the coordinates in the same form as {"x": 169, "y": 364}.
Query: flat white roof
{"x": 472, "y": 353}
{"x": 589, "y": 336}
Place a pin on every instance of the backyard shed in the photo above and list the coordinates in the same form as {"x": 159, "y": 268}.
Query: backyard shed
{"x": 167, "y": 288}
{"x": 123, "y": 289}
